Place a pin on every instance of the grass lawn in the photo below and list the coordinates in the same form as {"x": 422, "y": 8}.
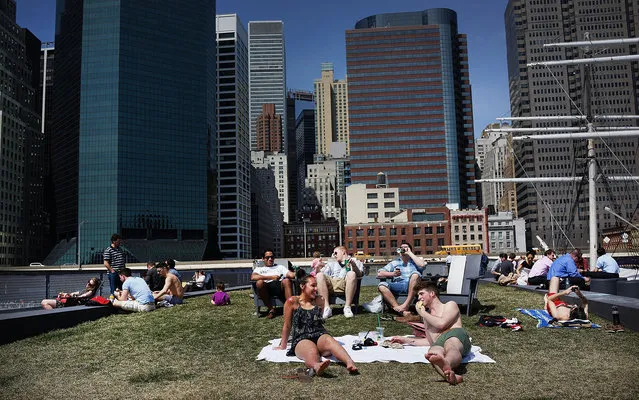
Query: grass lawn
{"x": 200, "y": 351}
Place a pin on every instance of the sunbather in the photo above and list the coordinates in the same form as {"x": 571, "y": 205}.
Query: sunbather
{"x": 73, "y": 299}
{"x": 561, "y": 310}
{"x": 311, "y": 341}
{"x": 448, "y": 341}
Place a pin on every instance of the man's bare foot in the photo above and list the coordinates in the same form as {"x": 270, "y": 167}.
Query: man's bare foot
{"x": 321, "y": 367}
{"x": 452, "y": 377}
{"x": 440, "y": 364}
{"x": 352, "y": 369}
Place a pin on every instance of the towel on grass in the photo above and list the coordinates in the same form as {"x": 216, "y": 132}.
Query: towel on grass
{"x": 543, "y": 320}
{"x": 369, "y": 354}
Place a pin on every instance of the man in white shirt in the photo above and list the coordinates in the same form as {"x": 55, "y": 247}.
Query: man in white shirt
{"x": 272, "y": 280}
{"x": 339, "y": 276}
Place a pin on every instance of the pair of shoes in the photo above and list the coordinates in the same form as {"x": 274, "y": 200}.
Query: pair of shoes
{"x": 327, "y": 313}
{"x": 614, "y": 328}
{"x": 408, "y": 318}
{"x": 348, "y": 313}
{"x": 271, "y": 313}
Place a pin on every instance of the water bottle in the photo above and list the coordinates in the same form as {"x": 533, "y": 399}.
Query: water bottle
{"x": 615, "y": 316}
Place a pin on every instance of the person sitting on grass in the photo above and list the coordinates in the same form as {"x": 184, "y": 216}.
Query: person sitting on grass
{"x": 311, "y": 341}
{"x": 560, "y": 310}
{"x": 448, "y": 341}
{"x": 73, "y": 299}
{"x": 220, "y": 297}
{"x": 135, "y": 294}
{"x": 172, "y": 292}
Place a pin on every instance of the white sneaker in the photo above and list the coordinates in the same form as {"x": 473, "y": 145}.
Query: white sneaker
{"x": 327, "y": 313}
{"x": 348, "y": 313}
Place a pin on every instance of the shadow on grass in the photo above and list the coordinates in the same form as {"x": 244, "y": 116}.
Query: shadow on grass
{"x": 157, "y": 376}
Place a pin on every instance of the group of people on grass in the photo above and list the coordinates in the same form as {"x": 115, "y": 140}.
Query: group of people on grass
{"x": 162, "y": 285}
{"x": 305, "y": 314}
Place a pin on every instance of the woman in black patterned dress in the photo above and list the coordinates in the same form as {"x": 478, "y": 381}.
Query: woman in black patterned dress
{"x": 311, "y": 341}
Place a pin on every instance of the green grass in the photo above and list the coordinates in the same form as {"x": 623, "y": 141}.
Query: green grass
{"x": 200, "y": 351}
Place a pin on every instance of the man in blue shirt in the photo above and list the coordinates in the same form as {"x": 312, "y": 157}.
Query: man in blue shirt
{"x": 404, "y": 273}
{"x": 607, "y": 267}
{"x": 566, "y": 267}
{"x": 135, "y": 294}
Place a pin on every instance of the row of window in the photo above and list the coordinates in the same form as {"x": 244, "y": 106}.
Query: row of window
{"x": 417, "y": 230}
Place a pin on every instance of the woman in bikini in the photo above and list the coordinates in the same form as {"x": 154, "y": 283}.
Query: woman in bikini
{"x": 311, "y": 341}
{"x": 561, "y": 310}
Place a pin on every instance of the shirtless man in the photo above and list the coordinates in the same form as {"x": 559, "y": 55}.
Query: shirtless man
{"x": 172, "y": 292}
{"x": 448, "y": 341}
{"x": 560, "y": 310}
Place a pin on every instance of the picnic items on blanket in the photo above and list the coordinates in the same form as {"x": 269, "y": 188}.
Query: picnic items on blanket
{"x": 498, "y": 320}
{"x": 388, "y": 344}
{"x": 409, "y": 354}
{"x": 545, "y": 320}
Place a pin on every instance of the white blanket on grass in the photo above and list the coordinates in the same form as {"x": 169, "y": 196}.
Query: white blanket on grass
{"x": 369, "y": 354}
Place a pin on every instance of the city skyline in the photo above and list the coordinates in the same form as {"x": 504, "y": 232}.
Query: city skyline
{"x": 311, "y": 41}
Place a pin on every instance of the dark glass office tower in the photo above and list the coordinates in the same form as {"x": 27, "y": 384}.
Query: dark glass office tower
{"x": 134, "y": 135}
{"x": 21, "y": 143}
{"x": 410, "y": 107}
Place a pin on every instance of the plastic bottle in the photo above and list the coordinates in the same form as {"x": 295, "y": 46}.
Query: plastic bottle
{"x": 615, "y": 316}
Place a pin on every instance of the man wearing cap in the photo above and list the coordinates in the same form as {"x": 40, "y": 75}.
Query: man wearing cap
{"x": 566, "y": 267}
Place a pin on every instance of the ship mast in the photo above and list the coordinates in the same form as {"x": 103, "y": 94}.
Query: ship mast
{"x": 591, "y": 134}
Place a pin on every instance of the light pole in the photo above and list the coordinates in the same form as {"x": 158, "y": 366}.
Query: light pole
{"x": 305, "y": 220}
{"x": 77, "y": 245}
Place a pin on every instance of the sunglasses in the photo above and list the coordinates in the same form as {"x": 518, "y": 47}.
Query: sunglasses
{"x": 334, "y": 254}
{"x": 269, "y": 258}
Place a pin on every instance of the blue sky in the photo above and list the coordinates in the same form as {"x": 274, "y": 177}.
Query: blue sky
{"x": 314, "y": 33}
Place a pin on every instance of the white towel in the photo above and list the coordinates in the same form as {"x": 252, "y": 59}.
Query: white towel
{"x": 369, "y": 354}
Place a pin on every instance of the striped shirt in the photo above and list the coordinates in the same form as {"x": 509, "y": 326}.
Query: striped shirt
{"x": 115, "y": 257}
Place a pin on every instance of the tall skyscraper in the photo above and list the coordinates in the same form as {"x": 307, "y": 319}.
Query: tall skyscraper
{"x": 45, "y": 94}
{"x": 304, "y": 149}
{"x": 267, "y": 72}
{"x": 269, "y": 129}
{"x": 410, "y": 107}
{"x": 134, "y": 133}
{"x": 540, "y": 92}
{"x": 21, "y": 145}
{"x": 271, "y": 173}
{"x": 331, "y": 111}
{"x": 233, "y": 139}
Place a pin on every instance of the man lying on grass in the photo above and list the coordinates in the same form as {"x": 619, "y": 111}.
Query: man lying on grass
{"x": 448, "y": 341}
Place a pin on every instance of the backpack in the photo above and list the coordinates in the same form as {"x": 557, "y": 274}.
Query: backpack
{"x": 490, "y": 320}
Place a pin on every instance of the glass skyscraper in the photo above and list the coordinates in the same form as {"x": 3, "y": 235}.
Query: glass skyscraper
{"x": 410, "y": 107}
{"x": 134, "y": 135}
{"x": 267, "y": 72}
{"x": 234, "y": 143}
{"x": 22, "y": 215}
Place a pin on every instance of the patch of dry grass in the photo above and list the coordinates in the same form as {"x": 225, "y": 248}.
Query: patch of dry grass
{"x": 201, "y": 351}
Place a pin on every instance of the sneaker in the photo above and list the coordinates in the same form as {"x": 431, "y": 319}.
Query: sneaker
{"x": 327, "y": 313}
{"x": 348, "y": 313}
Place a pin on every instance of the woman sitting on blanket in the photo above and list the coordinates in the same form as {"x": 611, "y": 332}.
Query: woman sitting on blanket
{"x": 311, "y": 341}
{"x": 73, "y": 299}
{"x": 561, "y": 310}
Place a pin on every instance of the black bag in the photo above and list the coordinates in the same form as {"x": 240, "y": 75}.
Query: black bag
{"x": 490, "y": 320}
